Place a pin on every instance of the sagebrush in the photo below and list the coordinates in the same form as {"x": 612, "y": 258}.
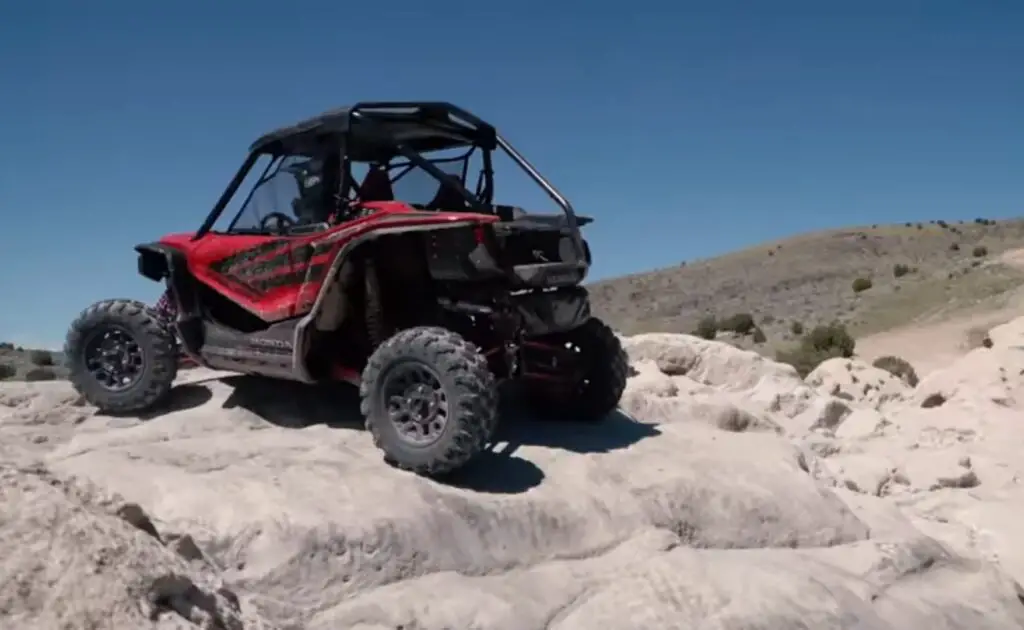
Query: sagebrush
{"x": 898, "y": 367}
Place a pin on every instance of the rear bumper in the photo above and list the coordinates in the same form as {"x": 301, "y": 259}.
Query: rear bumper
{"x": 544, "y": 313}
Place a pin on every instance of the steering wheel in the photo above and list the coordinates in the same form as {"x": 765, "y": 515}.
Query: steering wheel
{"x": 283, "y": 222}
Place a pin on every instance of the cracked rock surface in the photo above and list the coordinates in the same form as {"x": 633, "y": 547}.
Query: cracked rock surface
{"x": 728, "y": 493}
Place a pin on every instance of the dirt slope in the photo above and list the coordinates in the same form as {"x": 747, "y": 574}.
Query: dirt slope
{"x": 808, "y": 279}
{"x": 729, "y": 493}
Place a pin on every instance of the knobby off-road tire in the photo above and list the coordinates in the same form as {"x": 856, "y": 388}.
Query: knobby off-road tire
{"x": 156, "y": 347}
{"x": 606, "y": 368}
{"x": 462, "y": 377}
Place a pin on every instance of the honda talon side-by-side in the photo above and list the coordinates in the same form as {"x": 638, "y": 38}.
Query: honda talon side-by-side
{"x": 369, "y": 250}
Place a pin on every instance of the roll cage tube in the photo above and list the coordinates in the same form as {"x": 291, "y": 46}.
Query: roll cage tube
{"x": 549, "y": 188}
{"x": 229, "y": 192}
{"x": 425, "y": 164}
{"x": 415, "y": 157}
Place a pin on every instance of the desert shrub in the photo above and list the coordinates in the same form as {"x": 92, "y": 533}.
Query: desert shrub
{"x": 7, "y": 371}
{"x": 954, "y": 247}
{"x": 861, "y": 284}
{"x": 740, "y": 323}
{"x": 920, "y": 227}
{"x": 797, "y": 328}
{"x": 830, "y": 337}
{"x": 942, "y": 224}
{"x": 898, "y": 367}
{"x": 6, "y": 345}
{"x": 822, "y": 343}
{"x": 979, "y": 251}
{"x": 759, "y": 336}
{"x": 41, "y": 358}
{"x": 907, "y": 224}
{"x": 899, "y": 270}
{"x": 707, "y": 328}
{"x": 41, "y": 374}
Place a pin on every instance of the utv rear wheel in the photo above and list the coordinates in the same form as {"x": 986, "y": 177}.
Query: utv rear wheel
{"x": 429, "y": 399}
{"x": 121, "y": 356}
{"x": 602, "y": 366}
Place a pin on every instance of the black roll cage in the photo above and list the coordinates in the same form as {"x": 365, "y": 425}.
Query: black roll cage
{"x": 366, "y": 125}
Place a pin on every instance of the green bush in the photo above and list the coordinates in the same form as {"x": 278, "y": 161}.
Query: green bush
{"x": 898, "y": 367}
{"x": 41, "y": 358}
{"x": 7, "y": 371}
{"x": 804, "y": 360}
{"x": 740, "y": 323}
{"x": 41, "y": 374}
{"x": 707, "y": 328}
{"x": 797, "y": 328}
{"x": 829, "y": 337}
{"x": 821, "y": 344}
{"x": 979, "y": 251}
{"x": 899, "y": 270}
{"x": 861, "y": 284}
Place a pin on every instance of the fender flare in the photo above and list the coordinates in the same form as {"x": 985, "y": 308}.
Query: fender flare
{"x": 159, "y": 261}
{"x": 345, "y": 252}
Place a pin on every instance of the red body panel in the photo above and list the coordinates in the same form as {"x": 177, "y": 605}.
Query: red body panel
{"x": 278, "y": 277}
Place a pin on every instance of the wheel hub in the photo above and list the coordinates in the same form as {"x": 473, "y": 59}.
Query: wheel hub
{"x": 114, "y": 359}
{"x": 416, "y": 404}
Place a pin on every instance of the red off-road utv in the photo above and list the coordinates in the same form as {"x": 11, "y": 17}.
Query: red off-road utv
{"x": 340, "y": 264}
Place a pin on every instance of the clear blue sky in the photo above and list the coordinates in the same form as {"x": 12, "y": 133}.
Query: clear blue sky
{"x": 687, "y": 129}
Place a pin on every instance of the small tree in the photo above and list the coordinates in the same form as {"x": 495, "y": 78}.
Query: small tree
{"x": 707, "y": 328}
{"x": 40, "y": 358}
{"x": 861, "y": 284}
{"x": 740, "y": 323}
{"x": 829, "y": 337}
{"x": 821, "y": 344}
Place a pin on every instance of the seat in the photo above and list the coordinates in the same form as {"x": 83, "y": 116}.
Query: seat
{"x": 447, "y": 198}
{"x": 376, "y": 186}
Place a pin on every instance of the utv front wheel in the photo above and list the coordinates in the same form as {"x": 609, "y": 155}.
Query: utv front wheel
{"x": 429, "y": 399}
{"x": 120, "y": 356}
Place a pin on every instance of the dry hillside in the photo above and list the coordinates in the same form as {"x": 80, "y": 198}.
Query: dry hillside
{"x": 809, "y": 279}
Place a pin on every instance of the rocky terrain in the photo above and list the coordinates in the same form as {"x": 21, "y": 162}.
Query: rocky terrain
{"x": 27, "y": 364}
{"x": 915, "y": 270}
{"x": 728, "y": 494}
